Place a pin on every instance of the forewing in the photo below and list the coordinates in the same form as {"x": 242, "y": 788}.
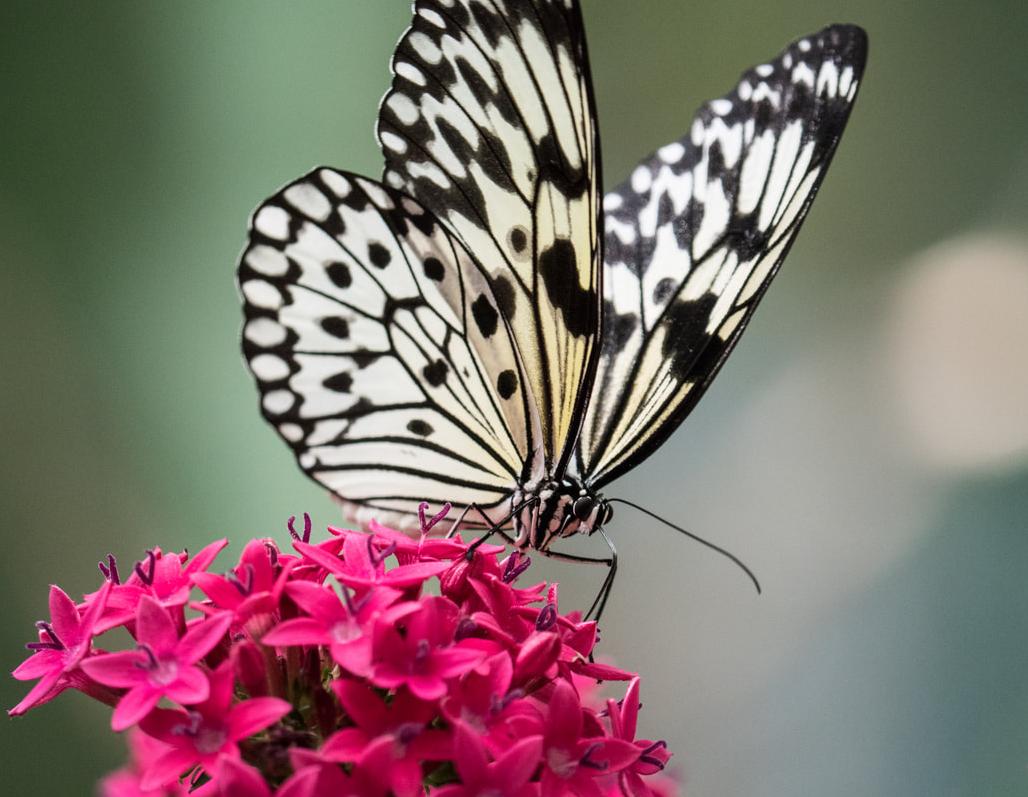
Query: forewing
{"x": 697, "y": 232}
{"x": 489, "y": 123}
{"x": 358, "y": 332}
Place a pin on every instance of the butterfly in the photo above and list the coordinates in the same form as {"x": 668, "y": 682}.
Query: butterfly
{"x": 483, "y": 326}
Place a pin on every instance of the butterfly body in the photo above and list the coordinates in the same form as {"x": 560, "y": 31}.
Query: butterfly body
{"x": 553, "y": 510}
{"x": 483, "y": 326}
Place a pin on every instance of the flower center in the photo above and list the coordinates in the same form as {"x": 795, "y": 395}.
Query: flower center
{"x": 421, "y": 654}
{"x": 163, "y": 672}
{"x": 345, "y": 631}
{"x": 561, "y": 762}
{"x": 209, "y": 739}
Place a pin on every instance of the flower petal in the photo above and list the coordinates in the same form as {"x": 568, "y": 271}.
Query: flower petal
{"x": 319, "y": 602}
{"x": 236, "y": 779}
{"x": 44, "y": 691}
{"x": 134, "y": 706}
{"x": 154, "y": 627}
{"x": 37, "y": 665}
{"x": 204, "y": 557}
{"x": 630, "y": 710}
{"x": 299, "y": 631}
{"x": 565, "y": 716}
{"x": 469, "y": 755}
{"x": 250, "y": 716}
{"x": 123, "y": 669}
{"x": 64, "y": 616}
{"x": 167, "y": 768}
{"x": 345, "y": 746}
{"x": 219, "y": 589}
{"x": 202, "y": 637}
{"x": 362, "y": 704}
{"x": 518, "y": 764}
{"x": 189, "y": 688}
{"x": 613, "y": 754}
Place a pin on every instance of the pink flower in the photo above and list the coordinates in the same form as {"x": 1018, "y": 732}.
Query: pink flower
{"x": 403, "y": 723}
{"x": 363, "y": 565}
{"x": 574, "y": 761}
{"x": 233, "y": 778}
{"x": 422, "y": 658}
{"x": 507, "y": 776}
{"x": 63, "y": 644}
{"x": 315, "y": 776}
{"x": 365, "y": 666}
{"x": 252, "y": 588}
{"x": 163, "y": 665}
{"x": 653, "y": 756}
{"x": 162, "y": 576}
{"x": 126, "y": 782}
{"x": 211, "y": 729}
{"x": 485, "y": 701}
{"x": 338, "y": 624}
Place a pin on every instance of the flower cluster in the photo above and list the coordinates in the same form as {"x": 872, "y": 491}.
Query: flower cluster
{"x": 366, "y": 664}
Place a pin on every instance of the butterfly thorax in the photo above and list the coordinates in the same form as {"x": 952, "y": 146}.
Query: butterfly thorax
{"x": 551, "y": 509}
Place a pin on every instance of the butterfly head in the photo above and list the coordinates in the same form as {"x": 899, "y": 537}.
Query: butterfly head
{"x": 561, "y": 509}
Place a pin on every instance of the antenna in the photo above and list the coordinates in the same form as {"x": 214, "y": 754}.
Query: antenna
{"x": 695, "y": 537}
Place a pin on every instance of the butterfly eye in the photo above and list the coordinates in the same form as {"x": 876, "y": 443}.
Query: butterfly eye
{"x": 584, "y": 507}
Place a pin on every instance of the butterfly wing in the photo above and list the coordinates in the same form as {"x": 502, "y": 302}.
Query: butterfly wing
{"x": 489, "y": 122}
{"x": 361, "y": 335}
{"x": 696, "y": 234}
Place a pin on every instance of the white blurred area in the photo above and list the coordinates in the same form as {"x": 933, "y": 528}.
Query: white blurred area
{"x": 824, "y": 477}
{"x": 958, "y": 348}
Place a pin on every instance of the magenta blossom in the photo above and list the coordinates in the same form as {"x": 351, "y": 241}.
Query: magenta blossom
{"x": 363, "y": 666}
{"x": 253, "y": 588}
{"x": 208, "y": 731}
{"x": 63, "y": 644}
{"x": 162, "y": 665}
{"x": 232, "y": 778}
{"x": 653, "y": 756}
{"x": 405, "y": 722}
{"x": 341, "y": 625}
{"x": 574, "y": 760}
{"x": 422, "y": 654}
{"x": 166, "y": 577}
{"x": 509, "y": 775}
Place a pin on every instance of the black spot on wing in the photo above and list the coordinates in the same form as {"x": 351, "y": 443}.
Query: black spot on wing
{"x": 662, "y": 290}
{"x": 362, "y": 358}
{"x": 336, "y": 327}
{"x": 485, "y": 316}
{"x": 518, "y": 239}
{"x": 435, "y": 372}
{"x": 339, "y": 274}
{"x": 506, "y": 384}
{"x": 378, "y": 255}
{"x": 715, "y": 158}
{"x": 746, "y": 237}
{"x": 420, "y": 428}
{"x": 340, "y": 383}
{"x": 434, "y": 269}
{"x": 503, "y": 292}
{"x": 617, "y": 328}
{"x": 686, "y": 337}
{"x": 557, "y": 266}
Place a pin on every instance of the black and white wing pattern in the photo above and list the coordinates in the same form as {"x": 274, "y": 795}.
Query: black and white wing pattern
{"x": 697, "y": 232}
{"x": 365, "y": 327}
{"x": 489, "y": 122}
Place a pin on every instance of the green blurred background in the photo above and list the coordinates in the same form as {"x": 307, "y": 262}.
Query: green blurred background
{"x": 866, "y": 450}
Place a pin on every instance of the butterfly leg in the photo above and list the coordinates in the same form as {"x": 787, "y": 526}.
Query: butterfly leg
{"x": 600, "y": 602}
{"x": 493, "y": 528}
